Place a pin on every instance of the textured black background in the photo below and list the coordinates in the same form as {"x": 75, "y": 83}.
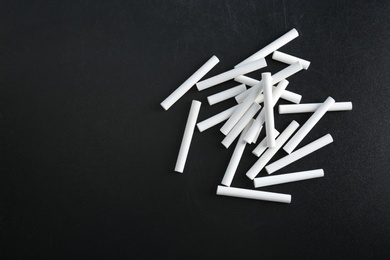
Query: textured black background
{"x": 87, "y": 153}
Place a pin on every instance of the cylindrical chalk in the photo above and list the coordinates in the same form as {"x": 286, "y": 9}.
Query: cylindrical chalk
{"x": 241, "y": 124}
{"x": 267, "y": 156}
{"x": 286, "y": 95}
{"x": 312, "y": 107}
{"x": 262, "y": 146}
{"x": 253, "y": 194}
{"x": 235, "y": 159}
{"x": 268, "y": 109}
{"x": 258, "y": 124}
{"x": 183, "y": 88}
{"x": 286, "y": 72}
{"x": 216, "y": 119}
{"x": 241, "y": 109}
{"x": 288, "y": 177}
{"x": 289, "y": 59}
{"x": 309, "y": 124}
{"x": 229, "y": 93}
{"x": 231, "y": 74}
{"x": 273, "y": 46}
{"x": 187, "y": 137}
{"x": 298, "y": 154}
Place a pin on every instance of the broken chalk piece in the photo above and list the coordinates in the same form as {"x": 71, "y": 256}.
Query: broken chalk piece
{"x": 187, "y": 137}
{"x": 287, "y": 177}
{"x": 312, "y": 107}
{"x": 191, "y": 81}
{"x": 253, "y": 194}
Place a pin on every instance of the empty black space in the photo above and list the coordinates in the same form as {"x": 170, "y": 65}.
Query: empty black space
{"x": 88, "y": 154}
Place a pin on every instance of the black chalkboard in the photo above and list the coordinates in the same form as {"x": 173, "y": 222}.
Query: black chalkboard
{"x": 88, "y": 154}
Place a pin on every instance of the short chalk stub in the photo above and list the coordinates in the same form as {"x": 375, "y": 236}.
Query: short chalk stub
{"x": 287, "y": 177}
{"x": 187, "y": 137}
{"x": 289, "y": 59}
{"x": 216, "y": 119}
{"x": 253, "y": 194}
{"x": 231, "y": 74}
{"x": 226, "y": 94}
{"x": 308, "y": 125}
{"x": 300, "y": 153}
{"x": 312, "y": 107}
{"x": 191, "y": 81}
{"x": 235, "y": 159}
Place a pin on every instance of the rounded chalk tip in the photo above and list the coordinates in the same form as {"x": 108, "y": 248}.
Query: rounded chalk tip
{"x": 295, "y": 123}
{"x": 328, "y": 136}
{"x": 215, "y": 58}
{"x": 256, "y": 153}
{"x": 350, "y": 105}
{"x": 218, "y": 189}
{"x": 322, "y": 173}
{"x": 307, "y": 66}
{"x": 165, "y": 106}
{"x": 294, "y": 31}
{"x": 288, "y": 200}
{"x": 330, "y": 99}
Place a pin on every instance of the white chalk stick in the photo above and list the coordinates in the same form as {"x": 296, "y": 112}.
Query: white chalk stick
{"x": 246, "y": 80}
{"x": 187, "y": 137}
{"x": 231, "y": 74}
{"x": 241, "y": 124}
{"x": 267, "y": 156}
{"x": 253, "y": 194}
{"x": 241, "y": 109}
{"x": 308, "y": 125}
{"x": 216, "y": 119}
{"x": 235, "y": 159}
{"x": 312, "y": 107}
{"x": 300, "y": 153}
{"x": 268, "y": 109}
{"x": 258, "y": 124}
{"x": 287, "y": 95}
{"x": 288, "y": 177}
{"x": 289, "y": 59}
{"x": 224, "y": 95}
{"x": 286, "y": 72}
{"x": 262, "y": 146}
{"x": 191, "y": 81}
{"x": 273, "y": 46}
{"x": 256, "y": 137}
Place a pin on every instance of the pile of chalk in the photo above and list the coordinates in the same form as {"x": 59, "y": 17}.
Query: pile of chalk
{"x": 245, "y": 120}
